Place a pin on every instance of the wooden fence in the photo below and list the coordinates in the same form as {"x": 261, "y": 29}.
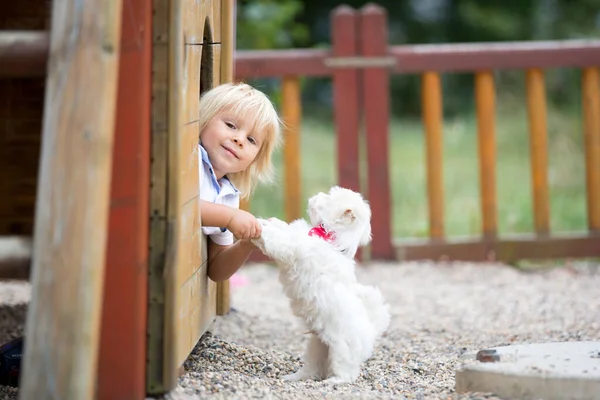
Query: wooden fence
{"x": 360, "y": 63}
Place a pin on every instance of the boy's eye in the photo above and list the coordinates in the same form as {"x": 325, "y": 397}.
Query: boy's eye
{"x": 230, "y": 125}
{"x": 252, "y": 140}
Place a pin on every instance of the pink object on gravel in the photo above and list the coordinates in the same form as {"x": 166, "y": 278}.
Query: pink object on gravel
{"x": 237, "y": 280}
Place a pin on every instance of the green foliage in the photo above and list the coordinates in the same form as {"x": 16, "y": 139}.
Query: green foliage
{"x": 270, "y": 24}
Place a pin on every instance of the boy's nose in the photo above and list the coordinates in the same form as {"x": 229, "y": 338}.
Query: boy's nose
{"x": 237, "y": 141}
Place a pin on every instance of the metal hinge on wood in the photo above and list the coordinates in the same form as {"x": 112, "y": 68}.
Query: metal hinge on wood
{"x": 360, "y": 62}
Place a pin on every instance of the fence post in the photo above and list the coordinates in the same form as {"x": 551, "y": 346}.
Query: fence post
{"x": 344, "y": 37}
{"x": 375, "y": 86}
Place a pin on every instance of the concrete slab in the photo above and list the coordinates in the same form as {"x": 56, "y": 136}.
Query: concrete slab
{"x": 549, "y": 371}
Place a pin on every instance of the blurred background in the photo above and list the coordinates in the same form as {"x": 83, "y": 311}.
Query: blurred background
{"x": 283, "y": 24}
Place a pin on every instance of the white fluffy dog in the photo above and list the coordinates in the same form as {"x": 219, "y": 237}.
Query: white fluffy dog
{"x": 316, "y": 268}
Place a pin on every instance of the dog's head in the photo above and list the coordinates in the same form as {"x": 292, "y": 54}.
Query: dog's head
{"x": 344, "y": 213}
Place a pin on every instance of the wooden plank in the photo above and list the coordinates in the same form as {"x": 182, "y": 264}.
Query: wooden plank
{"x": 122, "y": 359}
{"x": 486, "y": 132}
{"x": 227, "y": 31}
{"x": 158, "y": 197}
{"x": 591, "y": 118}
{"x": 189, "y": 167}
{"x": 187, "y": 311}
{"x": 224, "y": 65}
{"x": 344, "y": 36}
{"x": 63, "y": 319}
{"x": 192, "y": 59}
{"x": 270, "y": 63}
{"x": 538, "y": 137}
{"x": 190, "y": 277}
{"x": 174, "y": 255}
{"x": 23, "y": 53}
{"x": 376, "y": 104}
{"x": 432, "y": 122}
{"x": 292, "y": 115}
{"x": 469, "y": 57}
{"x": 509, "y": 249}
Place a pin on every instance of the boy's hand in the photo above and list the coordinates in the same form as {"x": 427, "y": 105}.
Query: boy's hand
{"x": 244, "y": 225}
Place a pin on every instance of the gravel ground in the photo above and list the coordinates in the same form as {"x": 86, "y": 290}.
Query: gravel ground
{"x": 440, "y": 313}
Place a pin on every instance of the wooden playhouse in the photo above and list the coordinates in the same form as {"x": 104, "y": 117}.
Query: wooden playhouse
{"x": 98, "y": 136}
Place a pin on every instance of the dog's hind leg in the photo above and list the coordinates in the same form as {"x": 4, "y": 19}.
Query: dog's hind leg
{"x": 315, "y": 362}
{"x": 344, "y": 367}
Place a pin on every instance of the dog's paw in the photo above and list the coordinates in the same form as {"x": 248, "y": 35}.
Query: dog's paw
{"x": 338, "y": 379}
{"x": 259, "y": 243}
{"x": 300, "y": 375}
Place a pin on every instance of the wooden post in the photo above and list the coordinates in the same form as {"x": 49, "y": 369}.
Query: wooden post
{"x": 227, "y": 73}
{"x": 63, "y": 320}
{"x": 538, "y": 134}
{"x": 122, "y": 358}
{"x": 292, "y": 115}
{"x": 432, "y": 121}
{"x": 591, "y": 109}
{"x": 486, "y": 131}
{"x": 376, "y": 104}
{"x": 344, "y": 36}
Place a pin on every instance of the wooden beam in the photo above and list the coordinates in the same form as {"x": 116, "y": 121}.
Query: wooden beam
{"x": 538, "y": 139}
{"x": 434, "y": 144}
{"x": 23, "y": 53}
{"x": 507, "y": 249}
{"x": 376, "y": 106}
{"x": 63, "y": 319}
{"x": 122, "y": 360}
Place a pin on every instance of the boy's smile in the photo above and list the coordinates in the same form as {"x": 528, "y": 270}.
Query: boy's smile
{"x": 231, "y": 143}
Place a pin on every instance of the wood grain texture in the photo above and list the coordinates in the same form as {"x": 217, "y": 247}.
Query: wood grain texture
{"x": 376, "y": 106}
{"x": 432, "y": 121}
{"x": 292, "y": 115}
{"x": 63, "y": 320}
{"x": 485, "y": 95}
{"x": 591, "y": 118}
{"x": 223, "y": 67}
{"x": 538, "y": 139}
{"x": 122, "y": 356}
{"x": 190, "y": 297}
{"x": 155, "y": 347}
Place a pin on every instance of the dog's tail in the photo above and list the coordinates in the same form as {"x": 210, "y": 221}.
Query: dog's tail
{"x": 377, "y": 308}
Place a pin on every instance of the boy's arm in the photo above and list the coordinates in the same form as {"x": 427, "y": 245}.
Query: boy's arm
{"x": 213, "y": 214}
{"x": 224, "y": 261}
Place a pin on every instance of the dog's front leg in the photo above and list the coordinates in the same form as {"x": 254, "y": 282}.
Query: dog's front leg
{"x": 276, "y": 241}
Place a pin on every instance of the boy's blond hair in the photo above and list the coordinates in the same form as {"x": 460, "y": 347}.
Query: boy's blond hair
{"x": 240, "y": 98}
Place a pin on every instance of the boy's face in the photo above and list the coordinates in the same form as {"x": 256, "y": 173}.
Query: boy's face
{"x": 230, "y": 142}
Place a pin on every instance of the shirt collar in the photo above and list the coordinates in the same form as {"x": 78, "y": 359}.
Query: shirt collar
{"x": 216, "y": 183}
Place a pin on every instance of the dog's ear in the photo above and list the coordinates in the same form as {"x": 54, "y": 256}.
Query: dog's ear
{"x": 366, "y": 236}
{"x": 348, "y": 216}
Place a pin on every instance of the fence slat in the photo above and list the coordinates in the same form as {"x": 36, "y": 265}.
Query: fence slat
{"x": 376, "y": 103}
{"x": 345, "y": 97}
{"x": 292, "y": 114}
{"x": 538, "y": 134}
{"x": 591, "y": 108}
{"x": 486, "y": 103}
{"x": 432, "y": 121}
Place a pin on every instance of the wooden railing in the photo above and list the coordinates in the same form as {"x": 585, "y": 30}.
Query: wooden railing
{"x": 360, "y": 63}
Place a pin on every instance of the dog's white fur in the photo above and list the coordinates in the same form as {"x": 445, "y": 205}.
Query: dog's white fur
{"x": 344, "y": 317}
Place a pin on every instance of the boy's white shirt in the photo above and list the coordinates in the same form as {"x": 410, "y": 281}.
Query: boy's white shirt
{"x": 216, "y": 191}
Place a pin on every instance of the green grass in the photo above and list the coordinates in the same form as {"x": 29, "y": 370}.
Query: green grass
{"x": 461, "y": 181}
